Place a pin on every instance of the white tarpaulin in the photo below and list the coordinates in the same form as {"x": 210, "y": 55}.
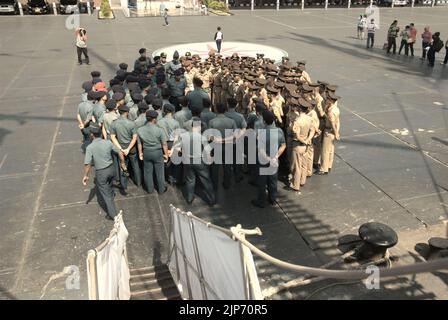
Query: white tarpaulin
{"x": 109, "y": 272}
{"x": 200, "y": 252}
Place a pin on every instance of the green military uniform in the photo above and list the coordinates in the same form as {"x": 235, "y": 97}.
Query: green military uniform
{"x": 221, "y": 123}
{"x": 85, "y": 111}
{"x": 238, "y": 147}
{"x": 196, "y": 97}
{"x": 207, "y": 115}
{"x": 182, "y": 116}
{"x": 98, "y": 110}
{"x": 124, "y": 129}
{"x": 99, "y": 154}
{"x": 152, "y": 137}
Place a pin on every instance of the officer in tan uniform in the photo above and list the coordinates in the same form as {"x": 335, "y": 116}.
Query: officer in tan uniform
{"x": 189, "y": 75}
{"x": 301, "y": 132}
{"x": 305, "y": 76}
{"x": 216, "y": 87}
{"x": 331, "y": 132}
{"x": 315, "y": 128}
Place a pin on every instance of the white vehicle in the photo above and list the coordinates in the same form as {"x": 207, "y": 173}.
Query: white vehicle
{"x": 9, "y": 6}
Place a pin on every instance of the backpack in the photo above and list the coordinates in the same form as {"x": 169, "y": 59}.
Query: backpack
{"x": 438, "y": 45}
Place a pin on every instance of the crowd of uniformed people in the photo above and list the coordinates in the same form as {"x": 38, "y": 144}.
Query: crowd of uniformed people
{"x": 191, "y": 119}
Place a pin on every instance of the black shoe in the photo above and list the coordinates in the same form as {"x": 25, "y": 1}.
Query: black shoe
{"x": 272, "y": 202}
{"x": 80, "y": 63}
{"x": 321, "y": 173}
{"x": 88, "y": 63}
{"x": 256, "y": 204}
{"x": 253, "y": 183}
{"x": 191, "y": 201}
{"x": 164, "y": 190}
{"x": 109, "y": 218}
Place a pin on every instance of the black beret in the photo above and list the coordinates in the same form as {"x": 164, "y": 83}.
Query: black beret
{"x": 96, "y": 80}
{"x": 168, "y": 108}
{"x": 142, "y": 50}
{"x": 123, "y": 108}
{"x": 132, "y": 78}
{"x": 152, "y": 114}
{"x": 268, "y": 116}
{"x": 117, "y": 88}
{"x": 149, "y": 98}
{"x": 97, "y": 94}
{"x": 111, "y": 104}
{"x": 114, "y": 82}
{"x": 123, "y": 66}
{"x": 143, "y": 106}
{"x": 134, "y": 87}
{"x": 95, "y": 74}
{"x": 157, "y": 102}
{"x": 121, "y": 75}
{"x": 117, "y": 96}
{"x": 94, "y": 129}
{"x": 87, "y": 86}
{"x": 136, "y": 96}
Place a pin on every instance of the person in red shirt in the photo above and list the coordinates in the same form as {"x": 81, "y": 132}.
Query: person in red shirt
{"x": 412, "y": 38}
{"x": 426, "y": 41}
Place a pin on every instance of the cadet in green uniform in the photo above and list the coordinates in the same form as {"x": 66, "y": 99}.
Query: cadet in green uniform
{"x": 184, "y": 114}
{"x": 85, "y": 113}
{"x": 198, "y": 94}
{"x": 169, "y": 126}
{"x": 141, "y": 114}
{"x": 123, "y": 134}
{"x": 191, "y": 144}
{"x": 206, "y": 113}
{"x": 227, "y": 129}
{"x": 99, "y": 107}
{"x": 238, "y": 146}
{"x": 176, "y": 86}
{"x": 99, "y": 154}
{"x": 152, "y": 150}
{"x": 271, "y": 144}
{"x": 133, "y": 110}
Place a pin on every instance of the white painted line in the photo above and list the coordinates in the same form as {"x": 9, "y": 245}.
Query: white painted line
{"x": 3, "y": 161}
{"x": 276, "y": 22}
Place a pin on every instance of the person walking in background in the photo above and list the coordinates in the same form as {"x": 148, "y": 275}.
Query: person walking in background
{"x": 426, "y": 41}
{"x": 445, "y": 61}
{"x": 371, "y": 28}
{"x": 165, "y": 16}
{"x": 362, "y": 22}
{"x": 218, "y": 39}
{"x": 392, "y": 35}
{"x": 412, "y": 38}
{"x": 81, "y": 45}
{"x": 404, "y": 41}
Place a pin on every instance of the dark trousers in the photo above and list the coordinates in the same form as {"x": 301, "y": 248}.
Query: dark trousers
{"x": 166, "y": 20}
{"x": 227, "y": 168}
{"x": 202, "y": 172}
{"x": 431, "y": 56}
{"x": 238, "y": 167}
{"x": 85, "y": 139}
{"x": 445, "y": 61}
{"x": 153, "y": 164}
{"x": 411, "y": 48}
{"x": 218, "y": 45}
{"x": 370, "y": 40}
{"x": 404, "y": 44}
{"x": 103, "y": 180}
{"x": 81, "y": 51}
{"x": 424, "y": 45}
{"x": 391, "y": 44}
{"x": 131, "y": 160}
{"x": 268, "y": 182}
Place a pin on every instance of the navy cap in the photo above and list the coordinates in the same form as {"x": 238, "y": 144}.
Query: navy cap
{"x": 168, "y": 108}
{"x": 87, "y": 86}
{"x": 123, "y": 66}
{"x": 111, "y": 104}
{"x": 152, "y": 114}
{"x": 123, "y": 108}
{"x": 117, "y": 96}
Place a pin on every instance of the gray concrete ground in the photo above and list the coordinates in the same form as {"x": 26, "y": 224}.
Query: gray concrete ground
{"x": 379, "y": 174}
